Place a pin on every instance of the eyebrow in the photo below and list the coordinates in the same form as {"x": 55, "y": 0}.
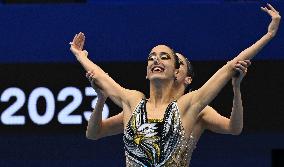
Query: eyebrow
{"x": 152, "y": 53}
{"x": 161, "y": 53}
{"x": 164, "y": 53}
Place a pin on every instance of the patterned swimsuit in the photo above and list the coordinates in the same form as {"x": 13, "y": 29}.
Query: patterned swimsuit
{"x": 157, "y": 143}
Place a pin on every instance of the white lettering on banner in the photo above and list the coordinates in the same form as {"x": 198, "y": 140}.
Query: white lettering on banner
{"x": 50, "y": 106}
{"x": 64, "y": 116}
{"x": 7, "y": 116}
{"x": 89, "y": 91}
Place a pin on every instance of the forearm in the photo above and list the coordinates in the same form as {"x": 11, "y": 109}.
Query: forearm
{"x": 102, "y": 80}
{"x": 236, "y": 118}
{"x": 88, "y": 65}
{"x": 95, "y": 122}
{"x": 254, "y": 49}
{"x": 213, "y": 86}
{"x": 99, "y": 75}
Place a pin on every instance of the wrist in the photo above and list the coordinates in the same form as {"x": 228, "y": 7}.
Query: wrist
{"x": 269, "y": 35}
{"x": 78, "y": 57}
{"x": 236, "y": 87}
{"x": 101, "y": 99}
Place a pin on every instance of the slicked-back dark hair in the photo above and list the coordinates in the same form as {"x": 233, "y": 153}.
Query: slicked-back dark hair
{"x": 189, "y": 73}
{"x": 177, "y": 63}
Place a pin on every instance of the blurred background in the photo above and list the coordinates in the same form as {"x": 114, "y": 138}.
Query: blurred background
{"x": 45, "y": 99}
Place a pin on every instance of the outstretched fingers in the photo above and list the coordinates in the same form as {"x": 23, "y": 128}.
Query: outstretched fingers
{"x": 264, "y": 9}
{"x": 272, "y": 8}
{"x": 271, "y": 11}
{"x": 78, "y": 41}
{"x": 73, "y": 43}
{"x": 81, "y": 40}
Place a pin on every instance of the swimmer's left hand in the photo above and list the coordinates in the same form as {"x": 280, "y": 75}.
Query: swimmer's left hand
{"x": 242, "y": 68}
{"x": 275, "y": 16}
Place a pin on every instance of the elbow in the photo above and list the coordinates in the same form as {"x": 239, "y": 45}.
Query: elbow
{"x": 91, "y": 136}
{"x": 236, "y": 131}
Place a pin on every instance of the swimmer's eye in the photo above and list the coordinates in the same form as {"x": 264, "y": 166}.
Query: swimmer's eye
{"x": 165, "y": 56}
{"x": 151, "y": 57}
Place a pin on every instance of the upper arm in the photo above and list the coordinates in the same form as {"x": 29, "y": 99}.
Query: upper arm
{"x": 204, "y": 95}
{"x": 113, "y": 125}
{"x": 114, "y": 91}
{"x": 119, "y": 95}
{"x": 104, "y": 81}
{"x": 188, "y": 110}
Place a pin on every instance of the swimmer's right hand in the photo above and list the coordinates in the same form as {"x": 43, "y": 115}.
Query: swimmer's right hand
{"x": 77, "y": 45}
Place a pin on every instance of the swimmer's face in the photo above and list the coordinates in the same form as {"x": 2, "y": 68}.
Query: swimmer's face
{"x": 182, "y": 68}
{"x": 161, "y": 63}
{"x": 182, "y": 76}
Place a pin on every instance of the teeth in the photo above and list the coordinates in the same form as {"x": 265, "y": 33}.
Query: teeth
{"x": 157, "y": 69}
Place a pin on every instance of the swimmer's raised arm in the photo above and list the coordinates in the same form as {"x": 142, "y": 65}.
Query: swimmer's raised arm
{"x": 203, "y": 96}
{"x": 117, "y": 93}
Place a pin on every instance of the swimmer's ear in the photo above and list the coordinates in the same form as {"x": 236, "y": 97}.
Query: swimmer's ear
{"x": 187, "y": 80}
{"x": 176, "y": 71}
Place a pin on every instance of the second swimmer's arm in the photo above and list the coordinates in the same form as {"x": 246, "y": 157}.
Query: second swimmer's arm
{"x": 95, "y": 121}
{"x": 236, "y": 118}
{"x": 215, "y": 122}
{"x": 98, "y": 128}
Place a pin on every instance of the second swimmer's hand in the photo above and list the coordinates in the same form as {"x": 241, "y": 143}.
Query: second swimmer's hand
{"x": 275, "y": 16}
{"x": 77, "y": 45}
{"x": 241, "y": 67}
{"x": 101, "y": 95}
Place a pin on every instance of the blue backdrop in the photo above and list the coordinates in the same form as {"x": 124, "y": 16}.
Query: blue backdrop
{"x": 127, "y": 32}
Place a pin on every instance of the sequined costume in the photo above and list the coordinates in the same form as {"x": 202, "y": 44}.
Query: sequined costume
{"x": 159, "y": 143}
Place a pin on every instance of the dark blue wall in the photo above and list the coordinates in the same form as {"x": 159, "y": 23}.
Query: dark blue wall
{"x": 119, "y": 32}
{"x": 73, "y": 150}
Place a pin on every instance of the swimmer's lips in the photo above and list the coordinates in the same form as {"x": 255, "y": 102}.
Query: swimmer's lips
{"x": 158, "y": 69}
